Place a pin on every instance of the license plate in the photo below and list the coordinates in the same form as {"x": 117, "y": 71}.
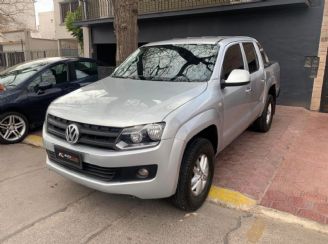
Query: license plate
{"x": 68, "y": 157}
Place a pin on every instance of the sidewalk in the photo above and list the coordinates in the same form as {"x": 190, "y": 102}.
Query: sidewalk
{"x": 285, "y": 169}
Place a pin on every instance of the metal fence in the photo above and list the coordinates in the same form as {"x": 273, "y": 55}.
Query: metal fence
{"x": 8, "y": 59}
{"x": 97, "y": 9}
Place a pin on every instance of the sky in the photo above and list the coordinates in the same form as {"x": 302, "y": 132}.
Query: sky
{"x": 43, "y": 6}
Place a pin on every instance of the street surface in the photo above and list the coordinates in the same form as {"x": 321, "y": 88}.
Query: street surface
{"x": 39, "y": 206}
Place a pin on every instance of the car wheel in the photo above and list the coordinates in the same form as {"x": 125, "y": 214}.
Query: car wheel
{"x": 13, "y": 128}
{"x": 263, "y": 123}
{"x": 196, "y": 174}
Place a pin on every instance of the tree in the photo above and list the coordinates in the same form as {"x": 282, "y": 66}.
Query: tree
{"x": 126, "y": 28}
{"x": 10, "y": 9}
{"x": 70, "y": 20}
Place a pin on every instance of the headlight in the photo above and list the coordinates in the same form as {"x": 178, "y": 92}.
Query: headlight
{"x": 141, "y": 136}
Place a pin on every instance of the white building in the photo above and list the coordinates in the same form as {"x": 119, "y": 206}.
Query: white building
{"x": 46, "y": 27}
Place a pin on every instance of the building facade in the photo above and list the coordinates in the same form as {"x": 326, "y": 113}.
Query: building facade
{"x": 46, "y": 28}
{"x": 66, "y": 42}
{"x": 289, "y": 30}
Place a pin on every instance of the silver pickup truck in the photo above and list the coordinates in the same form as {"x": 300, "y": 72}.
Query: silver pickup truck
{"x": 153, "y": 129}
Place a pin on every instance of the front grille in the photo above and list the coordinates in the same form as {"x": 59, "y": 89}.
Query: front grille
{"x": 91, "y": 135}
{"x": 122, "y": 174}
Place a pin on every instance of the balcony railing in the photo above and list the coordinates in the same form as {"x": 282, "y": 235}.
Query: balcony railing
{"x": 98, "y": 9}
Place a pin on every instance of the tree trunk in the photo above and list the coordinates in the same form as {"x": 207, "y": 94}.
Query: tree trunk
{"x": 126, "y": 28}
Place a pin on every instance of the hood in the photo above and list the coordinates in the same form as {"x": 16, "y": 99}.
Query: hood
{"x": 125, "y": 102}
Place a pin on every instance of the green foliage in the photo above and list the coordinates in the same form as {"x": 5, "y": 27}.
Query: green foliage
{"x": 70, "y": 20}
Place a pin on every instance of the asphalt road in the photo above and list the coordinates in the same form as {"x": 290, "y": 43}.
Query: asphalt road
{"x": 39, "y": 206}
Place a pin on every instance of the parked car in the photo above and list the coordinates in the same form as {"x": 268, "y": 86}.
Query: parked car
{"x": 154, "y": 127}
{"x": 27, "y": 89}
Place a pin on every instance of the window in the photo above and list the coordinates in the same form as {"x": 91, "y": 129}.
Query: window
{"x": 59, "y": 72}
{"x": 55, "y": 75}
{"x": 67, "y": 7}
{"x": 233, "y": 60}
{"x": 85, "y": 69}
{"x": 251, "y": 56}
{"x": 172, "y": 63}
{"x": 264, "y": 55}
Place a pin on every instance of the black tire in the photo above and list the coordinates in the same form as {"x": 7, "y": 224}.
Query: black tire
{"x": 184, "y": 198}
{"x": 262, "y": 124}
{"x": 2, "y": 130}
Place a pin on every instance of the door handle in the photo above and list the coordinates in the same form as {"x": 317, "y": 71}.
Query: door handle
{"x": 249, "y": 89}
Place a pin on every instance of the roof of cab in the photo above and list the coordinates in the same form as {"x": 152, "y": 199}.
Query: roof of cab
{"x": 200, "y": 40}
{"x": 57, "y": 59}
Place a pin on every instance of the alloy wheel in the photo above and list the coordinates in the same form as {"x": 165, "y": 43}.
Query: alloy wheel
{"x": 200, "y": 175}
{"x": 12, "y": 128}
{"x": 269, "y": 113}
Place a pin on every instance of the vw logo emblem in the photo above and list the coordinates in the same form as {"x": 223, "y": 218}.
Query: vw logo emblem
{"x": 72, "y": 133}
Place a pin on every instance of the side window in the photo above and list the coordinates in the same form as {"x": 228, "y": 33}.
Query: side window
{"x": 55, "y": 75}
{"x": 49, "y": 77}
{"x": 265, "y": 58}
{"x": 34, "y": 84}
{"x": 233, "y": 59}
{"x": 252, "y": 60}
{"x": 85, "y": 69}
{"x": 59, "y": 74}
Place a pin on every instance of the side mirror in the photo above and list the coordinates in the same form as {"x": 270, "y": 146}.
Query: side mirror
{"x": 238, "y": 77}
{"x": 44, "y": 85}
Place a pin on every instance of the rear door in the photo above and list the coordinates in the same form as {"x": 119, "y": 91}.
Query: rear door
{"x": 256, "y": 69}
{"x": 236, "y": 100}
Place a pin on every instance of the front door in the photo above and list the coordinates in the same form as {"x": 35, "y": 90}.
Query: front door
{"x": 236, "y": 100}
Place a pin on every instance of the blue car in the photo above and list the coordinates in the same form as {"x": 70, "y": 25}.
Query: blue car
{"x": 27, "y": 89}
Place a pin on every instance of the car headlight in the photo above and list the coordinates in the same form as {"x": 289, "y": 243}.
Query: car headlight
{"x": 142, "y": 136}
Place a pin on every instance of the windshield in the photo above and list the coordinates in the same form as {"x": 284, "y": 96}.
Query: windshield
{"x": 14, "y": 76}
{"x": 184, "y": 63}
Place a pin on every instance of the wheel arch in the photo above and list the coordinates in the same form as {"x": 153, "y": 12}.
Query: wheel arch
{"x": 205, "y": 125}
{"x": 17, "y": 110}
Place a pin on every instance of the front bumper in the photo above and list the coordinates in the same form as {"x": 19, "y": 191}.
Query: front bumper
{"x": 167, "y": 156}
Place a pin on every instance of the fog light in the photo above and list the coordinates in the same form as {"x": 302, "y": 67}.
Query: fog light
{"x": 143, "y": 173}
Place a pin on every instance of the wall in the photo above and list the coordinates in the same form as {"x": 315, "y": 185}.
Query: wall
{"x": 288, "y": 34}
{"x": 42, "y": 44}
{"x": 47, "y": 25}
{"x": 322, "y": 54}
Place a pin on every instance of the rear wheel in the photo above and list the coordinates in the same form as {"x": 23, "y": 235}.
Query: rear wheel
{"x": 196, "y": 174}
{"x": 263, "y": 123}
{"x": 13, "y": 128}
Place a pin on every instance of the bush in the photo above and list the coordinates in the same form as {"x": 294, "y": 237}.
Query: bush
{"x": 70, "y": 20}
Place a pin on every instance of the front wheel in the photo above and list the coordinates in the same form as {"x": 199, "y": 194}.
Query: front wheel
{"x": 196, "y": 174}
{"x": 13, "y": 128}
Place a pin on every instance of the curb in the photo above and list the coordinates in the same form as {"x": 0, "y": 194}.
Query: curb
{"x": 290, "y": 219}
{"x": 34, "y": 140}
{"x": 231, "y": 198}
{"x": 236, "y": 200}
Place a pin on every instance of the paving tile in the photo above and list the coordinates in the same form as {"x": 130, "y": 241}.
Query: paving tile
{"x": 285, "y": 168}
